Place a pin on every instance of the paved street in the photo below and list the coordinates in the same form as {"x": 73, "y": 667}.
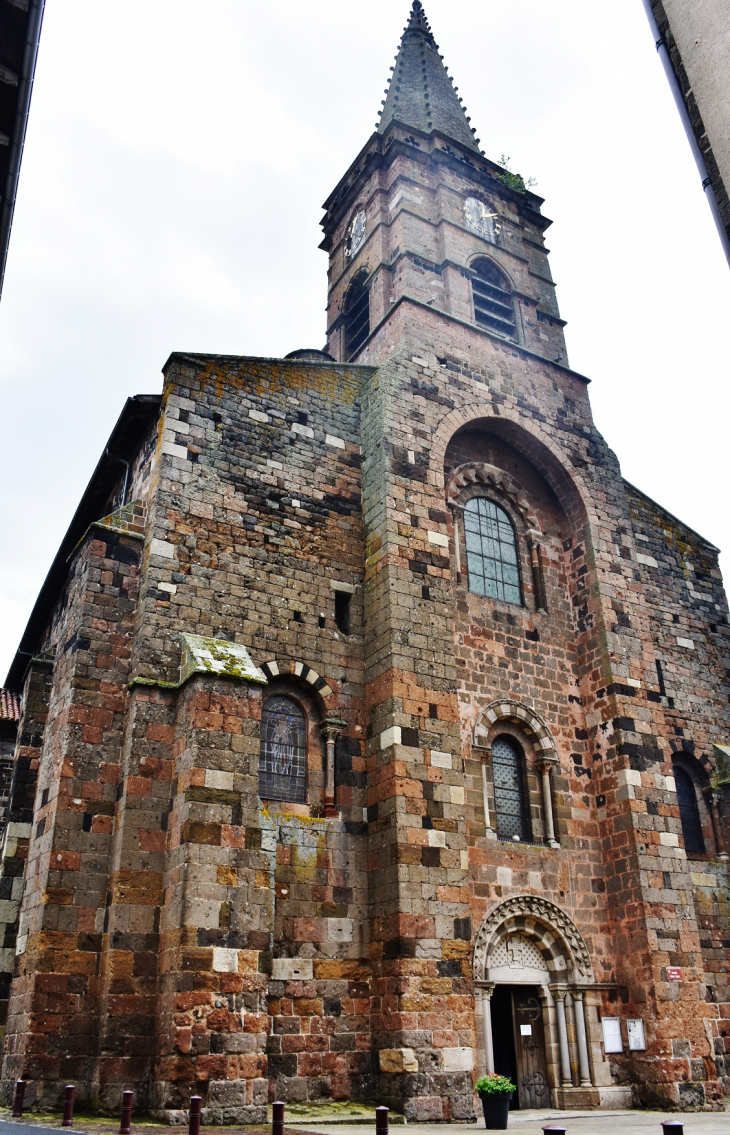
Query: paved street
{"x": 521, "y": 1122}
{"x": 576, "y": 1123}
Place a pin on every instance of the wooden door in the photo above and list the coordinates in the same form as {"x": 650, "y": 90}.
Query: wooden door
{"x": 532, "y": 1081}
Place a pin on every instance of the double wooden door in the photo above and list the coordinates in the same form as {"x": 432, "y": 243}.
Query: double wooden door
{"x": 519, "y": 1043}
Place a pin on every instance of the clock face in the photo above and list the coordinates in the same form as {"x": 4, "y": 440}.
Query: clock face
{"x": 481, "y": 219}
{"x": 355, "y": 234}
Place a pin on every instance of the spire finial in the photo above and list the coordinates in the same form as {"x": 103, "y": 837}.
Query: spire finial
{"x": 421, "y": 93}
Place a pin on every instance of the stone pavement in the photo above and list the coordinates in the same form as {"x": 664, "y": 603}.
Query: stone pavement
{"x": 528, "y": 1122}
{"x": 531, "y": 1122}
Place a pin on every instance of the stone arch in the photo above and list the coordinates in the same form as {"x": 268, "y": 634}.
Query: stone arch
{"x": 480, "y": 254}
{"x": 532, "y": 443}
{"x": 532, "y": 725}
{"x": 545, "y": 925}
{"x": 480, "y": 473}
{"x": 286, "y": 668}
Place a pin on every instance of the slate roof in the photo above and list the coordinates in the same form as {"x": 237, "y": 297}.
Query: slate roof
{"x": 421, "y": 93}
{"x": 9, "y": 705}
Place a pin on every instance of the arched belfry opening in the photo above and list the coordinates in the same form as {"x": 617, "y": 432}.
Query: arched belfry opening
{"x": 357, "y": 314}
{"x": 533, "y": 976}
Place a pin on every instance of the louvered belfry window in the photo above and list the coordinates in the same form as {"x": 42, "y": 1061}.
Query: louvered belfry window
{"x": 509, "y": 791}
{"x": 283, "y": 755}
{"x": 491, "y": 551}
{"x": 689, "y": 813}
{"x": 493, "y": 304}
{"x": 357, "y": 315}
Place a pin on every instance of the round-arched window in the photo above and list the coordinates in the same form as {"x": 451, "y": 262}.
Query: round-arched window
{"x": 491, "y": 551}
{"x": 689, "y": 812}
{"x": 512, "y": 816}
{"x": 283, "y": 753}
{"x": 493, "y": 304}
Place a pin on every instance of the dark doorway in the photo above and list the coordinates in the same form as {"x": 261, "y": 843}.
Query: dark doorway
{"x": 519, "y": 1043}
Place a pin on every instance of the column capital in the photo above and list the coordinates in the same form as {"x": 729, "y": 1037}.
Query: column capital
{"x": 332, "y": 727}
{"x": 546, "y": 760}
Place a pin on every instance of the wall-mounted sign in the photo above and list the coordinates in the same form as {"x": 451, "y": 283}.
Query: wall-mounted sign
{"x": 635, "y": 1030}
{"x": 525, "y": 1030}
{"x": 612, "y": 1041}
{"x": 674, "y": 973}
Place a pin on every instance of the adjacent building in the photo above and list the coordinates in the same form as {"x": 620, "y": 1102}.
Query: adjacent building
{"x": 693, "y": 39}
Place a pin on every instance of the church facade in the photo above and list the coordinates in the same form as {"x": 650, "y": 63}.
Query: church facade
{"x": 374, "y": 729}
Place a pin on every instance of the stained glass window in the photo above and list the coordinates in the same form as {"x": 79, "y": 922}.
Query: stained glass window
{"x": 283, "y": 757}
{"x": 491, "y": 551}
{"x": 509, "y": 791}
{"x": 689, "y": 813}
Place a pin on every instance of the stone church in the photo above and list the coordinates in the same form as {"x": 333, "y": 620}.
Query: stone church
{"x": 374, "y": 730}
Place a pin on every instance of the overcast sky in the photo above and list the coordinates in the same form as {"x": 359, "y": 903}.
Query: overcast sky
{"x": 177, "y": 157}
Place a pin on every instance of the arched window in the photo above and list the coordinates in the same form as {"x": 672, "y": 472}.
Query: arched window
{"x": 513, "y": 821}
{"x": 689, "y": 813}
{"x": 493, "y": 304}
{"x": 491, "y": 551}
{"x": 357, "y": 315}
{"x": 283, "y": 754}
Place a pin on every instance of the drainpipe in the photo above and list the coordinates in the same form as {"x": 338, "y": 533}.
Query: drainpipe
{"x": 675, "y": 84}
{"x": 17, "y": 142}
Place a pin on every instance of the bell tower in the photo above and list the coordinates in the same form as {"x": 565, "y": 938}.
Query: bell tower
{"x": 424, "y": 229}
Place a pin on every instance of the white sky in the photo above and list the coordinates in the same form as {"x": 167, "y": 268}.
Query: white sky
{"x": 177, "y": 157}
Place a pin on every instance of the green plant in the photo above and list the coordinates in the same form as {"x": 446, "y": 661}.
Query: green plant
{"x": 514, "y": 181}
{"x": 495, "y": 1085}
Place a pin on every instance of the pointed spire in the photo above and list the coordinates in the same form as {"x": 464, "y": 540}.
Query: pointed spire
{"x": 421, "y": 93}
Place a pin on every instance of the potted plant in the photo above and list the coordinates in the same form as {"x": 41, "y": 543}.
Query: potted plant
{"x": 495, "y": 1092}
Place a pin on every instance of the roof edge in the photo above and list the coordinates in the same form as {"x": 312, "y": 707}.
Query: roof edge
{"x": 703, "y": 539}
{"x": 133, "y": 424}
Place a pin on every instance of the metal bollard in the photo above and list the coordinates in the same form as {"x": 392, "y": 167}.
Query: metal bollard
{"x": 672, "y": 1127}
{"x": 381, "y": 1121}
{"x": 196, "y": 1103}
{"x": 19, "y": 1099}
{"x": 125, "y": 1125}
{"x": 277, "y": 1118}
{"x": 68, "y": 1105}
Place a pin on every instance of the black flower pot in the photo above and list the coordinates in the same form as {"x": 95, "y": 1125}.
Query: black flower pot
{"x": 496, "y": 1109}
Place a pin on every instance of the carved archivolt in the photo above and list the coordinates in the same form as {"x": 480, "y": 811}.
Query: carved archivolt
{"x": 547, "y": 926}
{"x": 285, "y": 668}
{"x": 479, "y": 473}
{"x": 528, "y": 721}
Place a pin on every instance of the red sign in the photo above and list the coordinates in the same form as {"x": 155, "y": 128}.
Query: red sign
{"x": 674, "y": 973}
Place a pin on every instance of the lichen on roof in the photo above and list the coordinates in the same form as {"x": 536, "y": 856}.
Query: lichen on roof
{"x": 201, "y": 655}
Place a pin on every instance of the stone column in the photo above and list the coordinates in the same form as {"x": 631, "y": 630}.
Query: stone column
{"x": 713, "y": 797}
{"x": 331, "y": 729}
{"x": 487, "y": 992}
{"x": 485, "y": 755}
{"x": 544, "y": 765}
{"x": 538, "y": 582}
{"x": 580, "y": 1032}
{"x": 566, "y": 1076}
